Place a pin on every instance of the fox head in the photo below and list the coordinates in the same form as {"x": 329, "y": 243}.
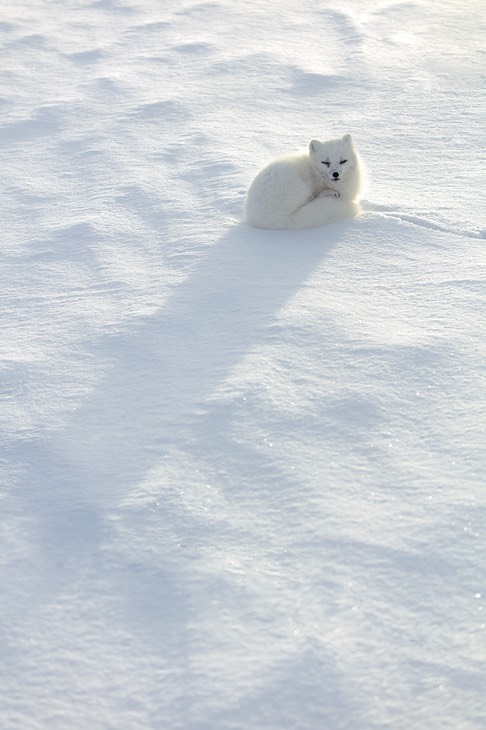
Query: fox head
{"x": 333, "y": 158}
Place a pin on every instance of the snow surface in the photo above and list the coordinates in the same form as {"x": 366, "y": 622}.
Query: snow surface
{"x": 242, "y": 471}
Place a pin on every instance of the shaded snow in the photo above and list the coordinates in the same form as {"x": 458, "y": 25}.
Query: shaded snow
{"x": 242, "y": 471}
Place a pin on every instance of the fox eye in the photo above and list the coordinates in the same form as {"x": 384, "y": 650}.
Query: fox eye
{"x": 326, "y": 163}
{"x": 342, "y": 162}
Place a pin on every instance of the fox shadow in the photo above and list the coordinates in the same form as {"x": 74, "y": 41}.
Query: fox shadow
{"x": 160, "y": 373}
{"x": 164, "y": 368}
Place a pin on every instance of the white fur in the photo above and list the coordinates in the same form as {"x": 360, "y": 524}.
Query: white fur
{"x": 301, "y": 191}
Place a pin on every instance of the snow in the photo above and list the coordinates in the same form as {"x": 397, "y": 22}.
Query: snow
{"x": 242, "y": 479}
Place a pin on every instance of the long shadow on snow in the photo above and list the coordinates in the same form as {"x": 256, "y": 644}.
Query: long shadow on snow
{"x": 162, "y": 371}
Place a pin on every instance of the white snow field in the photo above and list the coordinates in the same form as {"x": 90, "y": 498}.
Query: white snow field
{"x": 242, "y": 471}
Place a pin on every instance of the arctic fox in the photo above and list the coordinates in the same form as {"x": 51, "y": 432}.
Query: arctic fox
{"x": 308, "y": 189}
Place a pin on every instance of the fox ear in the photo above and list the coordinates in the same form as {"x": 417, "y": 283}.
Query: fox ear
{"x": 347, "y": 139}
{"x": 314, "y": 145}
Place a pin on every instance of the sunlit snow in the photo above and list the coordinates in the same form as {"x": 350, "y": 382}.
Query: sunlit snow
{"x": 242, "y": 471}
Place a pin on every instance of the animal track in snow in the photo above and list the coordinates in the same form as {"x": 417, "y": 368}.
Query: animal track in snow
{"x": 388, "y": 211}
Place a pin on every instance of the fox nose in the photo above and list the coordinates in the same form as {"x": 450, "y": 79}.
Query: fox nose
{"x": 335, "y": 175}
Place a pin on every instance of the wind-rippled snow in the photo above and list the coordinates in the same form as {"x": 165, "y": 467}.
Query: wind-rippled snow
{"x": 242, "y": 471}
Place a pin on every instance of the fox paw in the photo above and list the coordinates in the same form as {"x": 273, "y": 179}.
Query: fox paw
{"x": 329, "y": 194}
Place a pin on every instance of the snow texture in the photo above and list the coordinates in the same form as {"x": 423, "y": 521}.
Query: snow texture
{"x": 242, "y": 471}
